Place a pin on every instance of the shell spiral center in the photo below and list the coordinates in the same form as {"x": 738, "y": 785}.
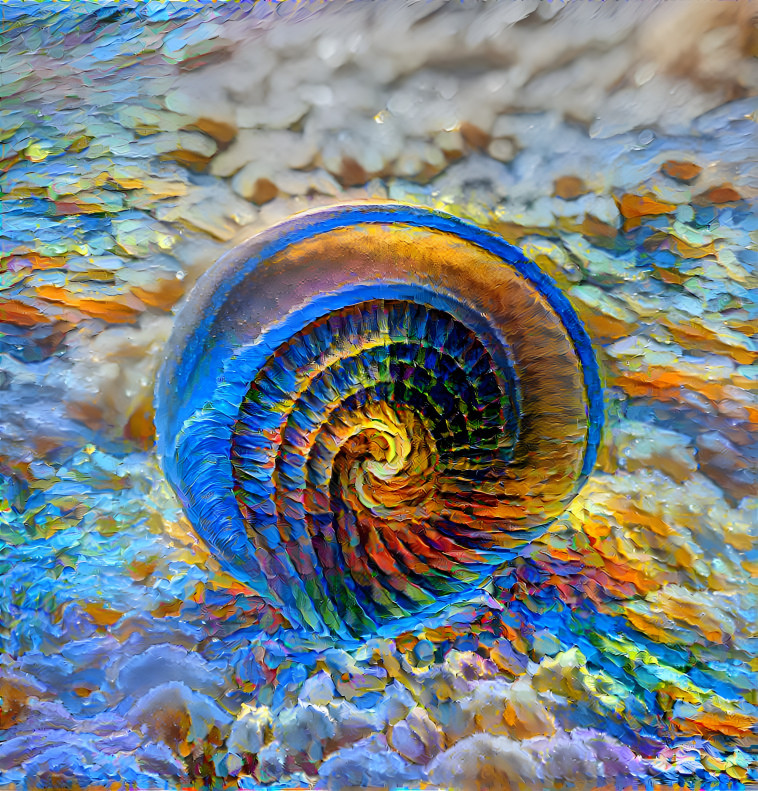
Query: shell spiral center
{"x": 363, "y": 439}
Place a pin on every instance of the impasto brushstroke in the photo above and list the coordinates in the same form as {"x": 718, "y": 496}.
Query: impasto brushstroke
{"x": 378, "y": 394}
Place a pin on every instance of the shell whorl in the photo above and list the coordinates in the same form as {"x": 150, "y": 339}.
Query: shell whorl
{"x": 366, "y": 408}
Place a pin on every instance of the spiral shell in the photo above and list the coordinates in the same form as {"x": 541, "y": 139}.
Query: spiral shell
{"x": 366, "y": 408}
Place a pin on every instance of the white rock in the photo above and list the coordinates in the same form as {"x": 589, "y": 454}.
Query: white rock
{"x": 250, "y": 731}
{"x": 482, "y": 762}
{"x": 278, "y": 148}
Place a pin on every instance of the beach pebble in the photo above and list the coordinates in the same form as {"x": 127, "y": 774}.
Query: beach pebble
{"x": 506, "y": 709}
{"x": 483, "y": 761}
{"x": 16, "y": 690}
{"x": 250, "y": 730}
{"x": 174, "y": 714}
{"x": 417, "y": 738}
{"x": 367, "y": 763}
{"x": 302, "y": 731}
{"x": 318, "y": 690}
{"x": 161, "y": 664}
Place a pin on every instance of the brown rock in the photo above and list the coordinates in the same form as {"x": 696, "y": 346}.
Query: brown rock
{"x": 15, "y": 690}
{"x": 686, "y": 250}
{"x": 605, "y": 328}
{"x": 265, "y": 191}
{"x": 723, "y": 194}
{"x": 88, "y": 413}
{"x": 681, "y": 171}
{"x": 189, "y": 159}
{"x": 163, "y": 294}
{"x": 140, "y": 428}
{"x": 508, "y": 660}
{"x": 597, "y": 230}
{"x": 114, "y": 310}
{"x": 168, "y": 608}
{"x": 569, "y": 187}
{"x": 643, "y": 206}
{"x": 22, "y": 315}
{"x": 100, "y": 614}
{"x": 72, "y": 207}
{"x": 352, "y": 173}
{"x": 220, "y": 131}
{"x": 474, "y": 136}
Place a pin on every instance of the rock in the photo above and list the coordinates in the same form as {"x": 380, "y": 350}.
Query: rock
{"x": 49, "y": 670}
{"x": 358, "y": 682}
{"x": 368, "y": 763}
{"x": 721, "y": 194}
{"x": 545, "y": 643}
{"x": 250, "y": 731}
{"x": 637, "y": 447}
{"x": 502, "y": 148}
{"x": 681, "y": 171}
{"x": 633, "y": 206}
{"x": 302, "y": 730}
{"x": 450, "y": 142}
{"x": 160, "y": 664}
{"x": 482, "y": 762}
{"x": 43, "y": 715}
{"x": 506, "y": 709}
{"x": 146, "y": 120}
{"x": 113, "y": 370}
{"x": 564, "y": 759}
{"x": 569, "y": 187}
{"x": 157, "y": 759}
{"x": 561, "y": 674}
{"x": 289, "y": 150}
{"x": 318, "y": 690}
{"x": 732, "y": 468}
{"x": 716, "y": 616}
{"x": 190, "y": 142}
{"x": 396, "y": 702}
{"x": 551, "y": 258}
{"x": 423, "y": 652}
{"x": 174, "y": 714}
{"x": 277, "y": 115}
{"x": 417, "y": 738}
{"x": 440, "y": 684}
{"x": 141, "y": 236}
{"x": 469, "y": 665}
{"x": 606, "y": 316}
{"x": 508, "y": 660}
{"x": 17, "y": 689}
{"x": 214, "y": 209}
{"x": 271, "y": 761}
{"x": 16, "y": 750}
{"x": 297, "y": 182}
{"x": 256, "y": 182}
{"x": 196, "y": 101}
{"x": 62, "y": 759}
{"x": 353, "y": 723}
{"x": 599, "y": 265}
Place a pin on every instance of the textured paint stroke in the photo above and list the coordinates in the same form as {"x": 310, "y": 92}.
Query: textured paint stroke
{"x": 615, "y": 147}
